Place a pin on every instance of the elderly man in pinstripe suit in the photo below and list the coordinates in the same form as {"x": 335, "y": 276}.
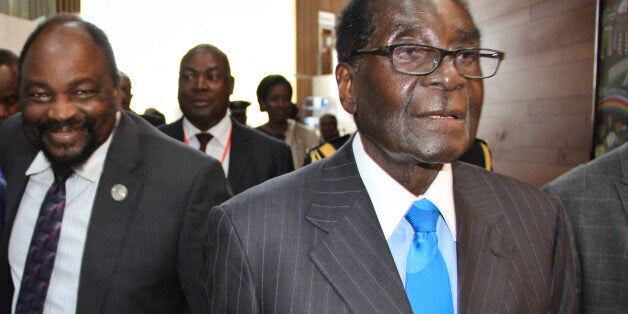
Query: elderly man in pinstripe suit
{"x": 333, "y": 237}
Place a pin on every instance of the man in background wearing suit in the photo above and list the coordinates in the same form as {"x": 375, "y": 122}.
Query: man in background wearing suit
{"x": 332, "y": 237}
{"x": 248, "y": 157}
{"x": 3, "y": 189}
{"x": 119, "y": 230}
{"x": 595, "y": 196}
{"x": 9, "y": 104}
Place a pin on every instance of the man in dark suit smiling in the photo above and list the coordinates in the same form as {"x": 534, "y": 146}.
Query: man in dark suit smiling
{"x": 98, "y": 218}
{"x": 364, "y": 230}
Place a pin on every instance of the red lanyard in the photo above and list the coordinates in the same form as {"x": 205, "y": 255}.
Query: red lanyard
{"x": 224, "y": 153}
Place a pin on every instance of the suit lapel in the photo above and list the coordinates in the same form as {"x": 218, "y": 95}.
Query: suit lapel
{"x": 239, "y": 155}
{"x": 354, "y": 256}
{"x": 110, "y": 218}
{"x": 483, "y": 253}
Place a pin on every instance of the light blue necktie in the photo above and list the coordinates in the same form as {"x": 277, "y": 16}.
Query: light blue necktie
{"x": 427, "y": 280}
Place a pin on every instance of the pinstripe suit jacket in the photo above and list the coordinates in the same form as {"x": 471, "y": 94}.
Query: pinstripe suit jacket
{"x": 595, "y": 196}
{"x": 310, "y": 242}
{"x": 142, "y": 254}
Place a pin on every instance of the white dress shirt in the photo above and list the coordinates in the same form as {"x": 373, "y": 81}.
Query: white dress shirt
{"x": 80, "y": 193}
{"x": 220, "y": 145}
{"x": 392, "y": 201}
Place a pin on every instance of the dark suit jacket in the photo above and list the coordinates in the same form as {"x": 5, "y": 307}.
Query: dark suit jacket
{"x": 310, "y": 242}
{"x": 3, "y": 187}
{"x": 254, "y": 157}
{"x": 142, "y": 254}
{"x": 595, "y": 196}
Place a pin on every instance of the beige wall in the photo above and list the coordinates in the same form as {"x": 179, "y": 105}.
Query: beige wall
{"x": 14, "y": 31}
{"x": 307, "y": 42}
{"x": 537, "y": 115}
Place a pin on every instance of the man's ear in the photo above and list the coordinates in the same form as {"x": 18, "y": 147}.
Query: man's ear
{"x": 117, "y": 98}
{"x": 344, "y": 80}
{"x": 231, "y": 84}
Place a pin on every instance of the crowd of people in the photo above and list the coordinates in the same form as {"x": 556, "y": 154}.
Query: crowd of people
{"x": 105, "y": 210}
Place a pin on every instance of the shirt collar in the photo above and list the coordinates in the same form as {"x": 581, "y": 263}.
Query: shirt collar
{"x": 391, "y": 200}
{"x": 221, "y": 131}
{"x": 90, "y": 170}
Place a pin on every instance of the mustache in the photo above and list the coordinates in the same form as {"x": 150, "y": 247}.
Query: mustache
{"x": 51, "y": 125}
{"x": 87, "y": 124}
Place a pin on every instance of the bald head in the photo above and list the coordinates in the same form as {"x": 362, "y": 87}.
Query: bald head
{"x": 96, "y": 34}
{"x": 125, "y": 87}
{"x": 208, "y": 49}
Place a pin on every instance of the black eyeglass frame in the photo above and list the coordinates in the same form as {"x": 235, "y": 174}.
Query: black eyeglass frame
{"x": 387, "y": 50}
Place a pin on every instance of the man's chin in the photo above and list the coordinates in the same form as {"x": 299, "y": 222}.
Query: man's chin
{"x": 435, "y": 158}
{"x": 67, "y": 157}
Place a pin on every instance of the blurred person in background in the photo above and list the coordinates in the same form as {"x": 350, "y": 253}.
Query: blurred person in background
{"x": 237, "y": 109}
{"x": 332, "y": 141}
{"x": 9, "y": 100}
{"x": 274, "y": 94}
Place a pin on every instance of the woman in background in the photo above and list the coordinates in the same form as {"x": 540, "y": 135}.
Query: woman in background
{"x": 274, "y": 95}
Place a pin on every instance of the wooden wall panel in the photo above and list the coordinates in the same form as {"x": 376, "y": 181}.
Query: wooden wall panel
{"x": 33, "y": 9}
{"x": 69, "y": 6}
{"x": 307, "y": 41}
{"x": 537, "y": 115}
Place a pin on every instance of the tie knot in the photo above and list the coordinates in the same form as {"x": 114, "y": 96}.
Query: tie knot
{"x": 62, "y": 173}
{"x": 423, "y": 216}
{"x": 203, "y": 138}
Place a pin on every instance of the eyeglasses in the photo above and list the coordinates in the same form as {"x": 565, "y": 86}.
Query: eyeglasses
{"x": 473, "y": 63}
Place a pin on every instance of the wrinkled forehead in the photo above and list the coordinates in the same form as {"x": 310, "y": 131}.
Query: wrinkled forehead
{"x": 55, "y": 36}
{"x": 432, "y": 22}
{"x": 65, "y": 41}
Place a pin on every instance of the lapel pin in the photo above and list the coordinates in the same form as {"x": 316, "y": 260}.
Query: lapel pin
{"x": 119, "y": 192}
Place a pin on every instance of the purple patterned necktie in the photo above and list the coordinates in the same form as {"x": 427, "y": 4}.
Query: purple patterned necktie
{"x": 42, "y": 251}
